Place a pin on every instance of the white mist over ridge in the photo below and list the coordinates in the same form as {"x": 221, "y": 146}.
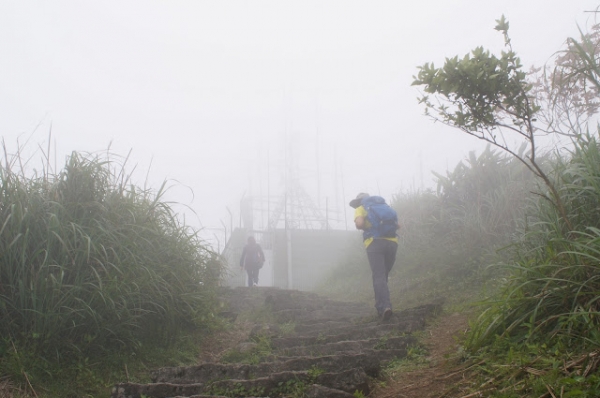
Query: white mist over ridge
{"x": 229, "y": 100}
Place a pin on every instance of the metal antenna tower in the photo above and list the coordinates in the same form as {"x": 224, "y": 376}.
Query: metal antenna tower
{"x": 295, "y": 209}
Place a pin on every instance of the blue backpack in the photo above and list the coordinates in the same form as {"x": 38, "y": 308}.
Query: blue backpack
{"x": 383, "y": 219}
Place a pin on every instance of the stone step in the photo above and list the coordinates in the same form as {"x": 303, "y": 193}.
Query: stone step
{"x": 321, "y": 330}
{"x": 299, "y": 301}
{"x": 209, "y": 396}
{"x": 303, "y": 329}
{"x": 312, "y": 391}
{"x": 349, "y": 346}
{"x": 351, "y": 333}
{"x": 241, "y": 299}
{"x": 369, "y": 361}
{"x": 316, "y": 326}
{"x": 156, "y": 390}
{"x": 275, "y": 385}
{"x": 406, "y": 321}
{"x": 283, "y": 383}
{"x": 325, "y": 314}
{"x": 383, "y": 356}
{"x": 321, "y": 327}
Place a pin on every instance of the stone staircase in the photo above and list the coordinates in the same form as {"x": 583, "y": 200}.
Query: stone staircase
{"x": 318, "y": 348}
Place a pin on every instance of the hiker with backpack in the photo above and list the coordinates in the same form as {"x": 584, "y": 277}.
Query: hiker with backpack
{"x": 252, "y": 260}
{"x": 379, "y": 223}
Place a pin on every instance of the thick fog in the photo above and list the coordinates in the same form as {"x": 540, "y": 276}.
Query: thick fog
{"x": 235, "y": 99}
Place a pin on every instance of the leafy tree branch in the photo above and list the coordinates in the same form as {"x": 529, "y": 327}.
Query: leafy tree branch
{"x": 490, "y": 98}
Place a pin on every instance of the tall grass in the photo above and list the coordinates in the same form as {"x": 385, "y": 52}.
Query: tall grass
{"x": 552, "y": 293}
{"x": 449, "y": 236}
{"x": 91, "y": 263}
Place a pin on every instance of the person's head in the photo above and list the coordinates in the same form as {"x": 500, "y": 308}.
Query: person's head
{"x": 354, "y": 203}
{"x": 251, "y": 240}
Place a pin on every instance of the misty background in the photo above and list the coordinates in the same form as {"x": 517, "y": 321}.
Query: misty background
{"x": 234, "y": 99}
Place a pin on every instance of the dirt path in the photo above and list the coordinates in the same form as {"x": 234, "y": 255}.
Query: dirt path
{"x": 441, "y": 375}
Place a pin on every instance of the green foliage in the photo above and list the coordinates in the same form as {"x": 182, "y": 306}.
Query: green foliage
{"x": 94, "y": 377}
{"x": 416, "y": 358}
{"x": 482, "y": 92}
{"x": 448, "y": 237}
{"x": 314, "y": 372}
{"x": 534, "y": 370}
{"x": 293, "y": 388}
{"x": 381, "y": 344}
{"x": 359, "y": 394}
{"x": 91, "y": 264}
{"x": 253, "y": 354}
{"x": 287, "y": 328}
{"x": 237, "y": 391}
{"x": 553, "y": 287}
{"x": 539, "y": 335}
{"x": 484, "y": 194}
{"x": 415, "y": 352}
{"x": 490, "y": 98}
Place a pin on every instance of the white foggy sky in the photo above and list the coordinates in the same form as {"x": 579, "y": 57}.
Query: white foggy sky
{"x": 205, "y": 91}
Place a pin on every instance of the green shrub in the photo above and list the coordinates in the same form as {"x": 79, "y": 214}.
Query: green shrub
{"x": 91, "y": 263}
{"x": 554, "y": 283}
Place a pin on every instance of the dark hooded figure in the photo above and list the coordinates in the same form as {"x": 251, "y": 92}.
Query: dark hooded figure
{"x": 252, "y": 260}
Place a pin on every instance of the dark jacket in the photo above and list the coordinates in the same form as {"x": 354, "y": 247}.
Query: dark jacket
{"x": 252, "y": 256}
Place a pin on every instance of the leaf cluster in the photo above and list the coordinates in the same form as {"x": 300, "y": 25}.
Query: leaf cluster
{"x": 479, "y": 92}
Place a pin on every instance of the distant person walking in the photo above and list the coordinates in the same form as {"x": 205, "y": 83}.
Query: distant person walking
{"x": 379, "y": 223}
{"x": 252, "y": 260}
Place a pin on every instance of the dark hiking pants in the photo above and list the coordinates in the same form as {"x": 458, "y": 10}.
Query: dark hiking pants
{"x": 382, "y": 255}
{"x": 252, "y": 275}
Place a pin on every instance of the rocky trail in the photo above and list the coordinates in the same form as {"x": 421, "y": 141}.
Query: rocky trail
{"x": 305, "y": 346}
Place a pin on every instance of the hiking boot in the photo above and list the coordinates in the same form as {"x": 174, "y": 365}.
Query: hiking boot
{"x": 387, "y": 314}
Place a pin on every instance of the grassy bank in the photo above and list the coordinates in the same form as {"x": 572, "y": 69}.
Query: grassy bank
{"x": 93, "y": 267}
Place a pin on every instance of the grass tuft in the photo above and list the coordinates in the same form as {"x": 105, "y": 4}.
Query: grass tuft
{"x": 91, "y": 266}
